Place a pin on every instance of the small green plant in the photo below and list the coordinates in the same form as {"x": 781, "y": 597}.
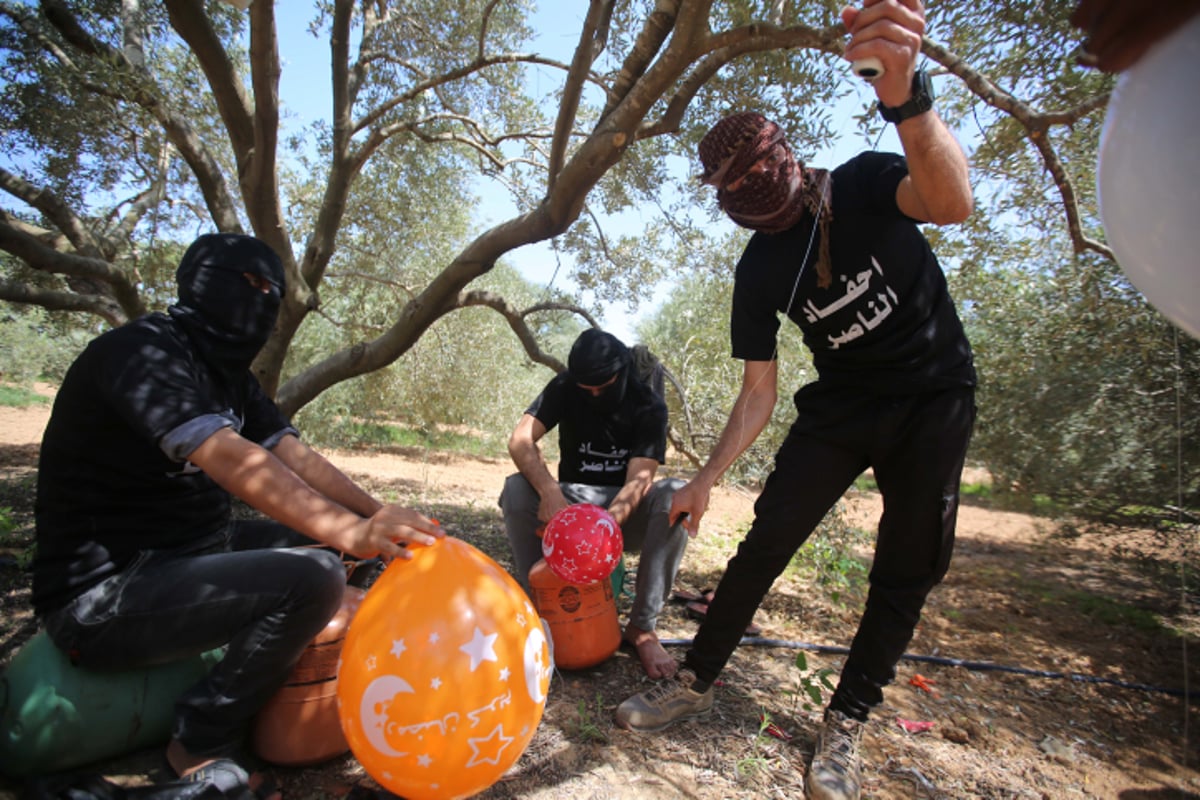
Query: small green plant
{"x": 586, "y": 726}
{"x": 756, "y": 762}
{"x": 810, "y": 684}
{"x": 829, "y": 556}
{"x": 10, "y": 541}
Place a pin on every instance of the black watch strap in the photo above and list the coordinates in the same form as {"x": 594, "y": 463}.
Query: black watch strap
{"x": 920, "y": 101}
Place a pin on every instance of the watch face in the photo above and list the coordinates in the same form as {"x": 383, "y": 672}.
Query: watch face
{"x": 923, "y": 85}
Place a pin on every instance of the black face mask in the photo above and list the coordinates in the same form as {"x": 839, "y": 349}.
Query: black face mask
{"x": 610, "y": 397}
{"x": 227, "y": 318}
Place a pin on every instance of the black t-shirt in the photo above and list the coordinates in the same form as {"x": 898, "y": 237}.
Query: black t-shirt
{"x": 113, "y": 479}
{"x": 887, "y": 322}
{"x": 595, "y": 448}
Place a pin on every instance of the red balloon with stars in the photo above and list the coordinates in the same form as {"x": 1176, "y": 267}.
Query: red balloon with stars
{"x": 443, "y": 675}
{"x": 582, "y": 544}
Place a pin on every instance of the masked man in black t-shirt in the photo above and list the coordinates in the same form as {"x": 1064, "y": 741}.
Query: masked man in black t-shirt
{"x": 612, "y": 434}
{"x": 138, "y": 562}
{"x": 840, "y": 254}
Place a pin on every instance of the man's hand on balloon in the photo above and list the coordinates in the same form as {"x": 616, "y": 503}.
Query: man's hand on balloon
{"x": 392, "y": 529}
{"x": 552, "y": 503}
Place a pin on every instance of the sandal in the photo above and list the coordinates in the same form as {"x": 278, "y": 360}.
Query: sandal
{"x": 684, "y": 596}
{"x": 700, "y": 611}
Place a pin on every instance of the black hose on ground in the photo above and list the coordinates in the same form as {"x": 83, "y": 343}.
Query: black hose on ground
{"x": 975, "y": 666}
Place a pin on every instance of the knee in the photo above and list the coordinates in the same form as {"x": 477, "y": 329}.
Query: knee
{"x": 518, "y": 496}
{"x": 323, "y": 580}
{"x": 658, "y": 499}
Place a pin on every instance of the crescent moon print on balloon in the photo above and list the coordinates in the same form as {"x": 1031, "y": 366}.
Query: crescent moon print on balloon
{"x": 444, "y": 674}
{"x": 582, "y": 544}
{"x": 373, "y": 710}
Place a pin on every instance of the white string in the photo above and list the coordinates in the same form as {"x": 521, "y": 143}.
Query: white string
{"x": 795, "y": 288}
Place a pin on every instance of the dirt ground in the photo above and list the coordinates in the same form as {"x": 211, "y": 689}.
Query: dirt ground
{"x": 1058, "y": 654}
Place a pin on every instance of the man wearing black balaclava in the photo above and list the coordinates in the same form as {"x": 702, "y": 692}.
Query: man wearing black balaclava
{"x": 612, "y": 434}
{"x": 157, "y": 423}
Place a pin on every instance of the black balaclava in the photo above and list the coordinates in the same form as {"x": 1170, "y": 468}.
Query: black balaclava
{"x": 226, "y": 318}
{"x": 595, "y": 357}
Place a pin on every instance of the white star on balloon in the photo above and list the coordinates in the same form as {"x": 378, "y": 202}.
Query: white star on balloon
{"x": 481, "y": 648}
{"x": 504, "y": 673}
{"x": 497, "y": 739}
{"x": 424, "y": 760}
{"x": 433, "y": 638}
{"x": 398, "y": 647}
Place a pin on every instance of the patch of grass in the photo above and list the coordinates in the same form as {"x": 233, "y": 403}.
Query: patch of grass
{"x": 866, "y": 483}
{"x": 18, "y": 397}
{"x": 11, "y": 539}
{"x": 585, "y": 725}
{"x": 377, "y": 434}
{"x": 981, "y": 492}
{"x": 1114, "y": 613}
{"x": 829, "y": 556}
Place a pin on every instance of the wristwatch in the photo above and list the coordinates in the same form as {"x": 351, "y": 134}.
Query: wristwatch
{"x": 920, "y": 102}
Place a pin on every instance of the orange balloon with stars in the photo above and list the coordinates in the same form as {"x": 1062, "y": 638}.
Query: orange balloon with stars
{"x": 444, "y": 674}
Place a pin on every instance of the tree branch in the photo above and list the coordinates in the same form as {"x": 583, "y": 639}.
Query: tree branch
{"x": 189, "y": 20}
{"x": 591, "y": 44}
{"x": 55, "y": 210}
{"x": 41, "y": 256}
{"x": 100, "y": 305}
{"x": 1037, "y": 126}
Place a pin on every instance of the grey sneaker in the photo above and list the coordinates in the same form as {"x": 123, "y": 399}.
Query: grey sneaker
{"x": 669, "y": 700}
{"x": 834, "y": 774}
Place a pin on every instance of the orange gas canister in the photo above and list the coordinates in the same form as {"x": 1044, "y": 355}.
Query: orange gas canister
{"x": 582, "y": 619}
{"x": 300, "y": 725}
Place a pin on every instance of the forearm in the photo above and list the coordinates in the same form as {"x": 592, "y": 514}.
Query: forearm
{"x": 749, "y": 417}
{"x": 264, "y": 482}
{"x": 315, "y": 470}
{"x": 937, "y": 167}
{"x": 638, "y": 478}
{"x": 527, "y": 457}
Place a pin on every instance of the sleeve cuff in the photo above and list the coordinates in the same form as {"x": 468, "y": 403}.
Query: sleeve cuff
{"x": 181, "y": 441}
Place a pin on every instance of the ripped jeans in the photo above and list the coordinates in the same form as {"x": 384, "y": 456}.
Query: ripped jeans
{"x": 261, "y": 596}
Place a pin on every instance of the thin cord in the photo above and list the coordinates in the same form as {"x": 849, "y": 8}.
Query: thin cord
{"x": 1190, "y": 541}
{"x": 795, "y": 288}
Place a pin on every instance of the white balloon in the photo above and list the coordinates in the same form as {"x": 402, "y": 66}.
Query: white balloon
{"x": 1149, "y": 175}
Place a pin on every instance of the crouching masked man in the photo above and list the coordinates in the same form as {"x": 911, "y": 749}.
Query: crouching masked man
{"x": 139, "y": 562}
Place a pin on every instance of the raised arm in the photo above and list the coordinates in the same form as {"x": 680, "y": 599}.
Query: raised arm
{"x": 937, "y": 188}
